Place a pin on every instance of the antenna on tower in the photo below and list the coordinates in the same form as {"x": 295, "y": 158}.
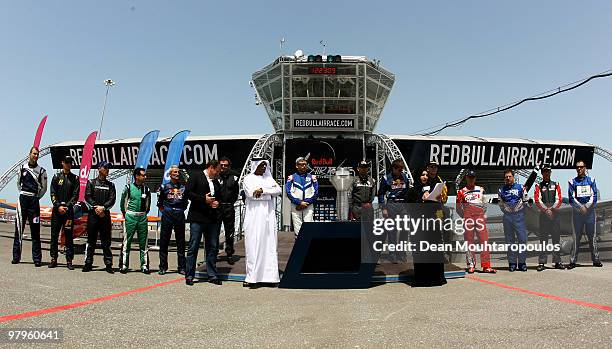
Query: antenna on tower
{"x": 323, "y": 43}
{"x": 282, "y": 41}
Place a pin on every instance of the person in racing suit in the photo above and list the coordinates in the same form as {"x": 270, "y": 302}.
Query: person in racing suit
{"x": 582, "y": 193}
{"x": 471, "y": 206}
{"x": 172, "y": 202}
{"x": 64, "y": 194}
{"x": 363, "y": 192}
{"x": 302, "y": 189}
{"x": 100, "y": 196}
{"x": 392, "y": 193}
{"x": 135, "y": 204}
{"x": 511, "y": 196}
{"x": 32, "y": 186}
{"x": 548, "y": 199}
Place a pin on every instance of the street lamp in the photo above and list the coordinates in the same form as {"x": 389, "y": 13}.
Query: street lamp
{"x": 108, "y": 83}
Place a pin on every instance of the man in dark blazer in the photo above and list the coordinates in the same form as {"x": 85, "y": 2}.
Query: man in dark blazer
{"x": 204, "y": 220}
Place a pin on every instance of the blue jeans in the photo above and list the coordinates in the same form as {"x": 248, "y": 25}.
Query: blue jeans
{"x": 515, "y": 229}
{"x": 211, "y": 245}
{"x": 588, "y": 223}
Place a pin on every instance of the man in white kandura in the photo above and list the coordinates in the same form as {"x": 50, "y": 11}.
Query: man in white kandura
{"x": 260, "y": 234}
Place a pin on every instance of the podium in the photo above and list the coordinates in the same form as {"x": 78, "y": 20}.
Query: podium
{"x": 327, "y": 255}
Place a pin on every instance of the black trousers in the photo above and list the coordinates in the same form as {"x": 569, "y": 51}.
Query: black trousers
{"x": 102, "y": 226}
{"x": 552, "y": 228}
{"x": 30, "y": 212}
{"x": 428, "y": 265}
{"x": 396, "y": 209}
{"x": 172, "y": 219}
{"x": 228, "y": 218}
{"x": 59, "y": 221}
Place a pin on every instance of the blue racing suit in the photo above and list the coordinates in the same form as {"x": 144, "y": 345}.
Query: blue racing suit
{"x": 582, "y": 192}
{"x": 511, "y": 204}
{"x": 396, "y": 187}
{"x": 302, "y": 187}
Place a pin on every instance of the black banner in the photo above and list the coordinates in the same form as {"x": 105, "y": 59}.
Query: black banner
{"x": 458, "y": 155}
{"x": 196, "y": 153}
{"x": 323, "y": 155}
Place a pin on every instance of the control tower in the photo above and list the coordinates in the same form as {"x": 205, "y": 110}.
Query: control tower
{"x": 321, "y": 95}
{"x": 324, "y": 108}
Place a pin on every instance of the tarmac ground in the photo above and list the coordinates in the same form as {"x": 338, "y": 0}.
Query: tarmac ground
{"x": 554, "y": 308}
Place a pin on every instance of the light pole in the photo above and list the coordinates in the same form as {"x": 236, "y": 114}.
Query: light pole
{"x": 108, "y": 83}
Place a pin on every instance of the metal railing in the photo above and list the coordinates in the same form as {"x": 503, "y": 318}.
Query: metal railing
{"x": 390, "y": 150}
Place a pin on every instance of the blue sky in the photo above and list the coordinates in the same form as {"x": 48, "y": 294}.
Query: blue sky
{"x": 187, "y": 65}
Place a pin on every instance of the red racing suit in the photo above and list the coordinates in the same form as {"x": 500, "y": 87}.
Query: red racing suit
{"x": 471, "y": 206}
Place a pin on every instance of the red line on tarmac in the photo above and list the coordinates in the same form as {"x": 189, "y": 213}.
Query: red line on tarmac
{"x": 543, "y": 295}
{"x": 34, "y": 313}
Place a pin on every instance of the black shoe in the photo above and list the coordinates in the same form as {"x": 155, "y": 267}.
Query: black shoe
{"x": 37, "y": 264}
{"x": 162, "y": 272}
{"x": 512, "y": 268}
{"x": 69, "y": 266}
{"x": 541, "y": 267}
{"x": 597, "y": 264}
{"x": 109, "y": 269}
{"x": 53, "y": 263}
{"x": 571, "y": 266}
{"x": 559, "y": 265}
{"x": 87, "y": 268}
{"x": 215, "y": 281}
{"x": 522, "y": 267}
{"x": 14, "y": 262}
{"x": 123, "y": 270}
{"x": 189, "y": 282}
{"x": 145, "y": 270}
{"x": 245, "y": 284}
{"x": 230, "y": 260}
{"x": 181, "y": 271}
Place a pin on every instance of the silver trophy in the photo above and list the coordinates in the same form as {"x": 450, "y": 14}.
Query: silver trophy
{"x": 342, "y": 179}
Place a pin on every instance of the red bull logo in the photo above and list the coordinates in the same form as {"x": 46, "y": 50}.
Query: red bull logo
{"x": 322, "y": 161}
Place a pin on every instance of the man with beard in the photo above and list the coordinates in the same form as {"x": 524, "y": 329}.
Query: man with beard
{"x": 260, "y": 234}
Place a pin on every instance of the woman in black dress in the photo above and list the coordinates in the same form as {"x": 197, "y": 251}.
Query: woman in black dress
{"x": 428, "y": 266}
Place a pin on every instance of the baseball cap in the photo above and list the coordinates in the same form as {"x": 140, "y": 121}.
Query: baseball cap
{"x": 470, "y": 173}
{"x": 104, "y": 164}
{"x": 433, "y": 163}
{"x": 363, "y": 163}
{"x": 546, "y": 167}
{"x": 68, "y": 159}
